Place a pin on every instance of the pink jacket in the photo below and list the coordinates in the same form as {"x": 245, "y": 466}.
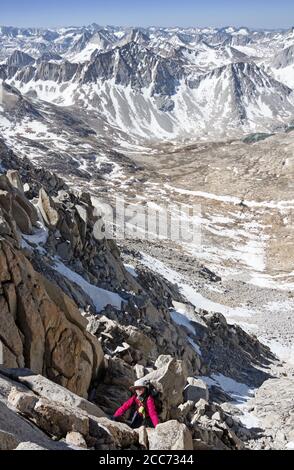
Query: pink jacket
{"x": 150, "y": 408}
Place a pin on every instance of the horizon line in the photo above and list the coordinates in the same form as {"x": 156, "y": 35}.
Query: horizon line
{"x": 149, "y": 26}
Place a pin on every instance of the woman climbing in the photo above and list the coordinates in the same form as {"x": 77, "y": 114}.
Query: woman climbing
{"x": 142, "y": 404}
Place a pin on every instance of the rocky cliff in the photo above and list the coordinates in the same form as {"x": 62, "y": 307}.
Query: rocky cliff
{"x": 78, "y": 328}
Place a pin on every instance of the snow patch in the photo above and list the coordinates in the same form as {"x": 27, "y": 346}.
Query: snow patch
{"x": 282, "y": 351}
{"x": 195, "y": 298}
{"x": 239, "y": 392}
{"x": 39, "y": 237}
{"x": 100, "y": 297}
{"x": 131, "y": 269}
{"x": 180, "y": 319}
{"x": 195, "y": 346}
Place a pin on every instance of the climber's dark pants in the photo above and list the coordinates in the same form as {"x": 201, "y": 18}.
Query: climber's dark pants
{"x": 138, "y": 421}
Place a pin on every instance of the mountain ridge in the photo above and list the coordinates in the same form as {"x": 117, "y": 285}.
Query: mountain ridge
{"x": 155, "y": 73}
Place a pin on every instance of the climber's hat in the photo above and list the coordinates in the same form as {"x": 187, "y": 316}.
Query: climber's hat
{"x": 140, "y": 383}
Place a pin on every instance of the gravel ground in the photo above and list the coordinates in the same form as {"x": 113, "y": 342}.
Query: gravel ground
{"x": 271, "y": 310}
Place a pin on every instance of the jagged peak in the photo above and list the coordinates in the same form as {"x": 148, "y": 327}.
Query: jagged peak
{"x": 19, "y": 59}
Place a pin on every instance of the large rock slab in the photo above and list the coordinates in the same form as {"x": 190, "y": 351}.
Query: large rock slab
{"x": 7, "y": 384}
{"x": 42, "y": 328}
{"x": 29, "y": 446}
{"x": 273, "y": 406}
{"x": 14, "y": 179}
{"x": 7, "y": 440}
{"x": 15, "y": 429}
{"x": 121, "y": 434}
{"x": 169, "y": 379}
{"x": 45, "y": 388}
{"x": 139, "y": 340}
{"x": 47, "y": 209}
{"x": 15, "y": 204}
{"x": 52, "y": 417}
{"x": 195, "y": 390}
{"x": 170, "y": 435}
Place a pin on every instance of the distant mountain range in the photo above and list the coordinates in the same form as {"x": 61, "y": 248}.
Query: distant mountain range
{"x": 158, "y": 83}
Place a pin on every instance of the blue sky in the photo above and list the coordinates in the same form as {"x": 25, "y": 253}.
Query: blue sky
{"x": 252, "y": 13}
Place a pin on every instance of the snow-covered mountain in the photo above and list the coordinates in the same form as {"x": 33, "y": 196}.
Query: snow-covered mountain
{"x": 282, "y": 66}
{"x": 159, "y": 82}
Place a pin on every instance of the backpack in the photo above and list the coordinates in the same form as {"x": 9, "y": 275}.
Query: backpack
{"x": 156, "y": 395}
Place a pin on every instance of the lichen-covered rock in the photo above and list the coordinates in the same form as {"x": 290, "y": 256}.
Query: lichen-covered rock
{"x": 76, "y": 439}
